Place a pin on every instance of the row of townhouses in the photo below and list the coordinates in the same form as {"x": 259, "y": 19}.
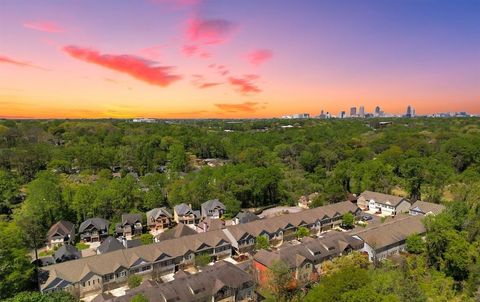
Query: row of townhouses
{"x": 107, "y": 271}
{"x": 222, "y": 281}
{"x": 179, "y": 247}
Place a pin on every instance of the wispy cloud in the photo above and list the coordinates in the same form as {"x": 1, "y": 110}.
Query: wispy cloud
{"x": 139, "y": 68}
{"x": 245, "y": 84}
{"x": 45, "y": 26}
{"x": 8, "y": 60}
{"x": 259, "y": 56}
{"x": 200, "y": 82}
{"x": 239, "y": 107}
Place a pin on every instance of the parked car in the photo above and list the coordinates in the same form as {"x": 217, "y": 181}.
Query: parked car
{"x": 367, "y": 217}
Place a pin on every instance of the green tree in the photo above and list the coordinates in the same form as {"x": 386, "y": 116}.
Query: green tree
{"x": 134, "y": 281}
{"x": 262, "y": 242}
{"x": 139, "y": 298}
{"x": 9, "y": 192}
{"x": 280, "y": 281}
{"x": 415, "y": 244}
{"x": 348, "y": 220}
{"x": 39, "y": 297}
{"x": 15, "y": 267}
{"x": 178, "y": 157}
{"x": 302, "y": 232}
{"x": 146, "y": 238}
{"x": 202, "y": 260}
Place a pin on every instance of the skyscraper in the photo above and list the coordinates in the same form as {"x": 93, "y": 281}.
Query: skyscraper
{"x": 353, "y": 111}
{"x": 409, "y": 111}
{"x": 377, "y": 110}
{"x": 361, "y": 111}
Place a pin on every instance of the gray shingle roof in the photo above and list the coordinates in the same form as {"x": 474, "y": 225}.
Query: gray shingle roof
{"x": 131, "y": 219}
{"x": 62, "y": 228}
{"x": 182, "y": 209}
{"x": 196, "y": 287}
{"x": 382, "y": 198}
{"x": 427, "y": 207}
{"x": 246, "y": 216}
{"x": 66, "y": 252}
{"x": 110, "y": 244}
{"x": 102, "y": 264}
{"x": 210, "y": 205}
{"x": 157, "y": 212}
{"x": 98, "y": 223}
{"x": 178, "y": 231}
{"x": 314, "y": 250}
{"x": 393, "y": 232}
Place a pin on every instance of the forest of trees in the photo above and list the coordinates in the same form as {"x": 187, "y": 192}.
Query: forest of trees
{"x": 72, "y": 170}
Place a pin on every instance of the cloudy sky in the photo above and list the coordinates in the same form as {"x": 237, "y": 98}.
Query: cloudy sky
{"x": 258, "y": 58}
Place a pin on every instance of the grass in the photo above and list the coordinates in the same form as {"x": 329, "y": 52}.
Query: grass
{"x": 82, "y": 246}
{"x": 46, "y": 253}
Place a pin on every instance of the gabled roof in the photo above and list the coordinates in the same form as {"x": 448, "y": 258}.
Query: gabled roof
{"x": 106, "y": 263}
{"x": 133, "y": 243}
{"x": 383, "y": 198}
{"x": 393, "y": 232}
{"x": 153, "y": 214}
{"x": 110, "y": 244}
{"x": 178, "y": 231}
{"x": 197, "y": 287}
{"x": 98, "y": 223}
{"x": 182, "y": 209}
{"x": 62, "y": 228}
{"x": 66, "y": 251}
{"x": 314, "y": 250}
{"x": 210, "y": 205}
{"x": 427, "y": 207}
{"x": 131, "y": 219}
{"x": 246, "y": 216}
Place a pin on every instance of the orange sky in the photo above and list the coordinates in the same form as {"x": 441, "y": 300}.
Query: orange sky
{"x": 200, "y": 59}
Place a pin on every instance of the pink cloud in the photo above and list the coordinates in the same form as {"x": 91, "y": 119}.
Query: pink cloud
{"x": 45, "y": 26}
{"x": 259, "y": 56}
{"x": 7, "y": 60}
{"x": 199, "y": 81}
{"x": 190, "y": 50}
{"x": 241, "y": 107}
{"x": 209, "y": 31}
{"x": 246, "y": 84}
{"x": 139, "y": 68}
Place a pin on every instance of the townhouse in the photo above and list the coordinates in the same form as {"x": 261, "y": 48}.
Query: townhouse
{"x": 222, "y": 281}
{"x": 111, "y": 270}
{"x": 305, "y": 259}
{"x": 282, "y": 228}
{"x": 385, "y": 204}
{"x": 389, "y": 238}
{"x": 424, "y": 208}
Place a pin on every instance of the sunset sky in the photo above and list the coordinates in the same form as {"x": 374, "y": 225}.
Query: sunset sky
{"x": 225, "y": 58}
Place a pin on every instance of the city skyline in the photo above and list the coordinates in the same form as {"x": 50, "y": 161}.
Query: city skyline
{"x": 210, "y": 59}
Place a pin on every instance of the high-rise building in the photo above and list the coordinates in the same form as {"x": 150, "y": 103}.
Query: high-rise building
{"x": 377, "y": 110}
{"x": 341, "y": 114}
{"x": 409, "y": 111}
{"x": 361, "y": 111}
{"x": 353, "y": 111}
